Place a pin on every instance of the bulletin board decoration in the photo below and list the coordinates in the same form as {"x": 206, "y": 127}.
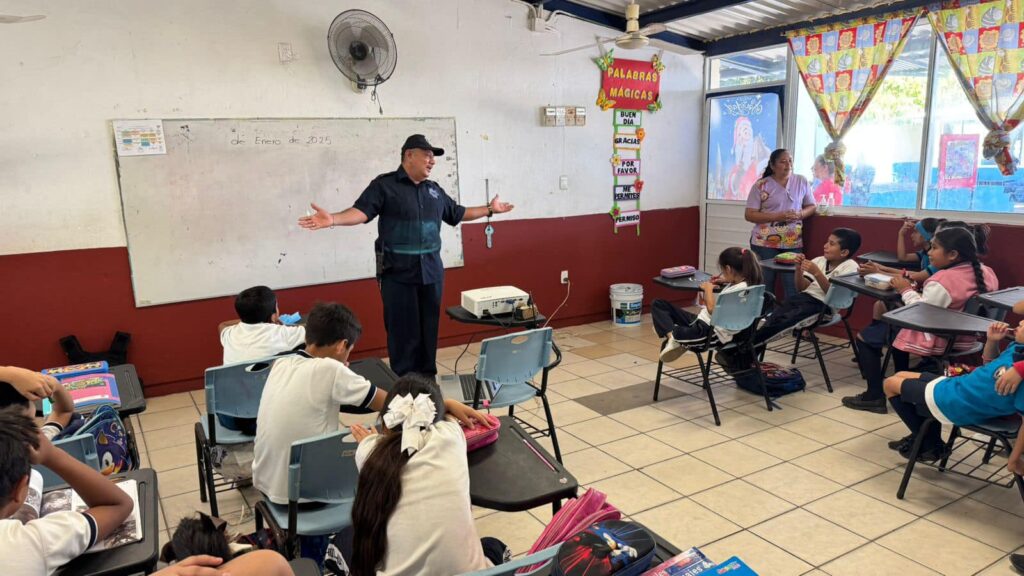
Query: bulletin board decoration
{"x": 958, "y": 160}
{"x": 628, "y": 184}
{"x": 629, "y": 84}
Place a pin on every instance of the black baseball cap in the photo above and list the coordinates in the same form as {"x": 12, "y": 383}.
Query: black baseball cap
{"x": 420, "y": 141}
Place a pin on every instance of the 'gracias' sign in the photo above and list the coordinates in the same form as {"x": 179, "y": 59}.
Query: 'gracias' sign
{"x": 630, "y": 84}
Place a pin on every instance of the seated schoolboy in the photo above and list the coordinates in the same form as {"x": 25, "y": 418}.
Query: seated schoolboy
{"x": 257, "y": 333}
{"x": 988, "y": 392}
{"x": 955, "y": 253}
{"x": 41, "y": 546}
{"x": 21, "y": 387}
{"x": 304, "y": 392}
{"x": 812, "y": 278}
{"x": 416, "y": 468}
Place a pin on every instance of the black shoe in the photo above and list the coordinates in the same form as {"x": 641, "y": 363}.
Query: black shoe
{"x": 926, "y": 455}
{"x": 1017, "y": 561}
{"x": 898, "y": 445}
{"x": 859, "y": 403}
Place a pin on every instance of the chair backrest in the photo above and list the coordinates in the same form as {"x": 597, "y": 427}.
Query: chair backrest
{"x": 977, "y": 308}
{"x": 81, "y": 447}
{"x": 737, "y": 310}
{"x": 839, "y": 297}
{"x": 541, "y": 559}
{"x": 235, "y": 389}
{"x": 323, "y": 469}
{"x": 516, "y": 357}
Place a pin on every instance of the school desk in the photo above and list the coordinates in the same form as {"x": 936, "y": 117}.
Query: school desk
{"x": 131, "y": 558}
{"x": 691, "y": 282}
{"x": 1003, "y": 299}
{"x": 377, "y": 372}
{"x": 460, "y": 314}
{"x": 889, "y": 259}
{"x": 855, "y": 282}
{"x": 925, "y": 317}
{"x": 129, "y": 388}
{"x": 771, "y": 264}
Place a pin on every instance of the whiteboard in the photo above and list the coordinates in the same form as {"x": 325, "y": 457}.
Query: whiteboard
{"x": 218, "y": 212}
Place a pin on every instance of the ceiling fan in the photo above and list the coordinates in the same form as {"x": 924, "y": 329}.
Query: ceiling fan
{"x": 633, "y": 38}
{"x": 8, "y": 19}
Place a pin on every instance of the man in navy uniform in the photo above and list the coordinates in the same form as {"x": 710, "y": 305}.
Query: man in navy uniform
{"x": 411, "y": 209}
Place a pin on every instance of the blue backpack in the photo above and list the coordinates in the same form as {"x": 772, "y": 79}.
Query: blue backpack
{"x": 112, "y": 442}
{"x": 779, "y": 381}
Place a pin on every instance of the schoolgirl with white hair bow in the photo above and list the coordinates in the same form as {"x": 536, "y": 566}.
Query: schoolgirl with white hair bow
{"x": 412, "y": 512}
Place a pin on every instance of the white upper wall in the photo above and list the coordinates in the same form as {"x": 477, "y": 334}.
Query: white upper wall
{"x": 64, "y": 78}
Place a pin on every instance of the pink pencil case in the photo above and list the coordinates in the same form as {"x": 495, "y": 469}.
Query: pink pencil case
{"x": 678, "y": 271}
{"x": 480, "y": 436}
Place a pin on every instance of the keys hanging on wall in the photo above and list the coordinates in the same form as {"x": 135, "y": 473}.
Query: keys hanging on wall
{"x": 489, "y": 230}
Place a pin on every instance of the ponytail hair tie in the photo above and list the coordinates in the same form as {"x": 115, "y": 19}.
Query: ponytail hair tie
{"x": 743, "y": 251}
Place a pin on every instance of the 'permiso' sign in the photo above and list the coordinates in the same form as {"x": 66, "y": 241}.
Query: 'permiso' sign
{"x": 631, "y": 84}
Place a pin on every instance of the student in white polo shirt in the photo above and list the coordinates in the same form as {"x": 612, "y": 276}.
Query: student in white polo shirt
{"x": 257, "y": 333}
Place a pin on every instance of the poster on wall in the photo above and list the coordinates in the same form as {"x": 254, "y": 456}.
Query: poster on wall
{"x": 742, "y": 130}
{"x": 958, "y": 160}
{"x": 139, "y": 137}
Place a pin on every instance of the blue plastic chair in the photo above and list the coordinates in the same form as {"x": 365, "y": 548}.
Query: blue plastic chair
{"x": 320, "y": 469}
{"x": 512, "y": 361}
{"x": 838, "y": 306}
{"x": 81, "y": 448}
{"x": 542, "y": 558}
{"x": 232, "y": 391}
{"x": 737, "y": 312}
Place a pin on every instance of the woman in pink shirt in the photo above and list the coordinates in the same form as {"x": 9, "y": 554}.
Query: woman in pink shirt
{"x": 827, "y": 192}
{"x": 777, "y": 205}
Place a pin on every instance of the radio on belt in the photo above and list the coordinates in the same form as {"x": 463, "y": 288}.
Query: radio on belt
{"x": 494, "y": 301}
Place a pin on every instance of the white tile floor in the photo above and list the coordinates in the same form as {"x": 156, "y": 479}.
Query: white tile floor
{"x": 810, "y": 489}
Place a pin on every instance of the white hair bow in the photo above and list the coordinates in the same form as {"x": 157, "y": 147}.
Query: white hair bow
{"x": 414, "y": 414}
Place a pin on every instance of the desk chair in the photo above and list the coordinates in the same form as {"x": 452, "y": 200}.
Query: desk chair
{"x": 739, "y": 312}
{"x": 538, "y": 561}
{"x": 320, "y": 469}
{"x": 81, "y": 448}
{"x": 1001, "y": 433}
{"x": 232, "y": 391}
{"x": 838, "y": 306}
{"x": 513, "y": 360}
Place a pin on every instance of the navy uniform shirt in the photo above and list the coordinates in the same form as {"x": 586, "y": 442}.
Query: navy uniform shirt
{"x": 409, "y": 228}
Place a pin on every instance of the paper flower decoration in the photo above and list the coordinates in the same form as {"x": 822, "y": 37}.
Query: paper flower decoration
{"x": 615, "y": 211}
{"x": 616, "y": 160}
{"x": 638, "y": 186}
{"x": 640, "y": 133}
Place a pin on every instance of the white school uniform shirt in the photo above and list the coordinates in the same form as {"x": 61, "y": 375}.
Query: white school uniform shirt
{"x": 432, "y": 529}
{"x": 848, "y": 266}
{"x": 40, "y": 547}
{"x": 243, "y": 341}
{"x": 300, "y": 400}
{"x": 705, "y": 316}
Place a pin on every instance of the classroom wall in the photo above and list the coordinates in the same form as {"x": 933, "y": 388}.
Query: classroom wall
{"x": 62, "y": 247}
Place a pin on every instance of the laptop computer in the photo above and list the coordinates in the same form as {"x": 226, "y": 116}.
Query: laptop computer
{"x": 462, "y": 387}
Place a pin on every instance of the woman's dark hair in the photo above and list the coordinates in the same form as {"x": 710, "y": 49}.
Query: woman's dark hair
{"x": 380, "y": 483}
{"x": 969, "y": 243}
{"x": 743, "y": 261}
{"x": 202, "y": 535}
{"x": 772, "y": 160}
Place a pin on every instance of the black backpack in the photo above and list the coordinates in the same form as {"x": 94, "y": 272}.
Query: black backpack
{"x": 779, "y": 381}
{"x": 115, "y": 355}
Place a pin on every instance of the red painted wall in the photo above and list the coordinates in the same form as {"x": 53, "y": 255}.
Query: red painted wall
{"x": 879, "y": 233}
{"x": 89, "y": 292}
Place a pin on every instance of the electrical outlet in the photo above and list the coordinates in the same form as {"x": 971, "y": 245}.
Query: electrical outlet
{"x": 565, "y": 276}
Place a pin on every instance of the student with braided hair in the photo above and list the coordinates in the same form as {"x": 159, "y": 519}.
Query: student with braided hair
{"x": 955, "y": 254}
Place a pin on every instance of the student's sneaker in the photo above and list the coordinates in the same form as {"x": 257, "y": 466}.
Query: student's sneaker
{"x": 930, "y": 455}
{"x": 672, "y": 350}
{"x": 858, "y": 402}
{"x": 898, "y": 445}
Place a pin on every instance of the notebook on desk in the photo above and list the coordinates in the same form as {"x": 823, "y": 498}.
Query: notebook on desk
{"x": 462, "y": 387}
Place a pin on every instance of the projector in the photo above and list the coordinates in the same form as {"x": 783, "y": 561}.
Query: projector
{"x": 493, "y": 301}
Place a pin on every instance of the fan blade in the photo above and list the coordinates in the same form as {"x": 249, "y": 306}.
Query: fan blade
{"x": 578, "y": 48}
{"x": 652, "y": 29}
{"x": 674, "y": 48}
{"x": 5, "y": 19}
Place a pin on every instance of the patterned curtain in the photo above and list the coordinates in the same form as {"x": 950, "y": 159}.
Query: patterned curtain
{"x": 842, "y": 66}
{"x": 984, "y": 41}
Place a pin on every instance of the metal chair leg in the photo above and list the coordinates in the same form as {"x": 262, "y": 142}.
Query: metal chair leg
{"x": 705, "y": 372}
{"x": 915, "y": 449}
{"x": 853, "y": 345}
{"x": 953, "y": 435}
{"x": 821, "y": 361}
{"x": 989, "y": 450}
{"x": 551, "y": 428}
{"x": 796, "y": 346}
{"x": 200, "y": 462}
{"x": 657, "y": 378}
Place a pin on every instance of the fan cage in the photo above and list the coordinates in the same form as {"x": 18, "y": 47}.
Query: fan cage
{"x": 361, "y": 26}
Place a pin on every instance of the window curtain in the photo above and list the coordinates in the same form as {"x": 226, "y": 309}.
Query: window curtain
{"x": 984, "y": 41}
{"x": 842, "y": 66}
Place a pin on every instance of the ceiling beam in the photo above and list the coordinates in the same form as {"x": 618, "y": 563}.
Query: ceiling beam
{"x": 685, "y": 10}
{"x": 773, "y": 36}
{"x": 616, "y": 22}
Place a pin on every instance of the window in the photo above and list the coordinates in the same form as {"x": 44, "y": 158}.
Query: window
{"x": 959, "y": 178}
{"x": 744, "y": 69}
{"x": 883, "y": 149}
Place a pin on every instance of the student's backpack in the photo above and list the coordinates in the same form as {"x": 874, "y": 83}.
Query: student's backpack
{"x": 112, "y": 443}
{"x": 779, "y": 381}
{"x": 612, "y": 548}
{"x": 574, "y": 516}
{"x": 115, "y": 355}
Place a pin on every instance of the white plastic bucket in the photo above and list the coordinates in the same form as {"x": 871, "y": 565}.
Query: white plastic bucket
{"x": 627, "y": 304}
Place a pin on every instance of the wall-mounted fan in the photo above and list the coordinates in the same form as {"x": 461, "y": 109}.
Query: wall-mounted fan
{"x": 363, "y": 49}
{"x": 633, "y": 38}
{"x": 8, "y": 19}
